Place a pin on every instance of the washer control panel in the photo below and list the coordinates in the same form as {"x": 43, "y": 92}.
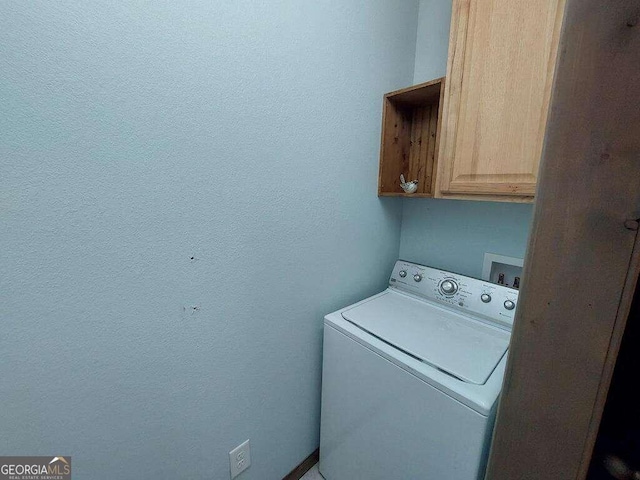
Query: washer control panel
{"x": 477, "y": 297}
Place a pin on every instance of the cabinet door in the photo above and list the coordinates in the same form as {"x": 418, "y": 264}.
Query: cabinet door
{"x": 501, "y": 62}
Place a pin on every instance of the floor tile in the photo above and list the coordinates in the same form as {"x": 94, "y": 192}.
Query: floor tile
{"x": 313, "y": 474}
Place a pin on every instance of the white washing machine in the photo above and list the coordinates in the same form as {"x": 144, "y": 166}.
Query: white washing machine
{"x": 411, "y": 378}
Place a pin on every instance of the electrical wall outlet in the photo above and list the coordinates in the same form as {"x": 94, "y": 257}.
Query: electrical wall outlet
{"x": 240, "y": 459}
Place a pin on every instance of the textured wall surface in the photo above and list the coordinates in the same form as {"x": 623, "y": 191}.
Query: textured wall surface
{"x": 186, "y": 188}
{"x": 455, "y": 234}
{"x": 432, "y": 41}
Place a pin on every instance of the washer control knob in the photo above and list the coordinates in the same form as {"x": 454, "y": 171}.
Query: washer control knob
{"x": 402, "y": 273}
{"x": 509, "y": 305}
{"x": 449, "y": 287}
{"x": 485, "y": 297}
{"x": 417, "y": 277}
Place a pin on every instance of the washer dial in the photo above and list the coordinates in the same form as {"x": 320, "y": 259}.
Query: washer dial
{"x": 448, "y": 287}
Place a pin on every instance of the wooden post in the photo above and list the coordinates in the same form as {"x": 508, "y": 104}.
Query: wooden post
{"x": 581, "y": 267}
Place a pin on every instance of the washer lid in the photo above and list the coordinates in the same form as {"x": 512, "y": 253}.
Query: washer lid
{"x": 453, "y": 343}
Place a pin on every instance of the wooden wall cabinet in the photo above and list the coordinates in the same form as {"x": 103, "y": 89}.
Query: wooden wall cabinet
{"x": 410, "y": 134}
{"x": 500, "y": 70}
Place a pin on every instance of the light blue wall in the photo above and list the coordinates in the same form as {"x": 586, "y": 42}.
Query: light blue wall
{"x": 455, "y": 234}
{"x": 137, "y": 135}
{"x": 432, "y": 40}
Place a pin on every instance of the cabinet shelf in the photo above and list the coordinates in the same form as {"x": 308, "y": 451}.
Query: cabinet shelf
{"x": 410, "y": 135}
